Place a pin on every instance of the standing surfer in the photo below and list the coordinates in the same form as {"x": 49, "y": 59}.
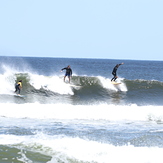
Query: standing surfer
{"x": 68, "y": 72}
{"x": 114, "y": 72}
{"x": 18, "y": 87}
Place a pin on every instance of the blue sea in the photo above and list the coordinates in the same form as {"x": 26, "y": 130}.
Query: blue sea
{"x": 89, "y": 120}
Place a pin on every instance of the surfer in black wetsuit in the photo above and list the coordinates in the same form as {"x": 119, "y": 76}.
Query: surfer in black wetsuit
{"x": 114, "y": 72}
{"x": 68, "y": 72}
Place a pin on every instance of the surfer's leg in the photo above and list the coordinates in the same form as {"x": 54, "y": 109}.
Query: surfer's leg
{"x": 115, "y": 78}
{"x": 68, "y": 77}
{"x": 16, "y": 88}
{"x": 64, "y": 78}
{"x": 112, "y": 79}
{"x": 114, "y": 74}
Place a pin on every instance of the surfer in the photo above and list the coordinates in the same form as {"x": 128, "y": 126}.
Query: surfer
{"x": 68, "y": 72}
{"x": 18, "y": 87}
{"x": 114, "y": 72}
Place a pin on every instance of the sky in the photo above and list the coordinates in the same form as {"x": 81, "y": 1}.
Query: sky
{"x": 108, "y": 29}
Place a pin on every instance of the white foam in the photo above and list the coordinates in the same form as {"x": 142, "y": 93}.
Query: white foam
{"x": 91, "y": 151}
{"x": 106, "y": 83}
{"x": 8, "y": 78}
{"x": 54, "y": 84}
{"x": 65, "y": 148}
{"x": 87, "y": 112}
{"x": 7, "y": 81}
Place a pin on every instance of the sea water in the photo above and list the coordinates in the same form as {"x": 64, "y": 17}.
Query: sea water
{"x": 88, "y": 121}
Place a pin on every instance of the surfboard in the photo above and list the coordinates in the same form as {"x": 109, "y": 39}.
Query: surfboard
{"x": 115, "y": 83}
{"x": 19, "y": 95}
{"x": 72, "y": 85}
{"x": 13, "y": 94}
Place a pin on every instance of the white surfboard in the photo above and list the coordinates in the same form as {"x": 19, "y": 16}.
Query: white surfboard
{"x": 19, "y": 95}
{"x": 72, "y": 85}
{"x": 115, "y": 83}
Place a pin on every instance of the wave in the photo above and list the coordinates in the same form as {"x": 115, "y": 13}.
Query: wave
{"x": 140, "y": 84}
{"x": 82, "y": 90}
{"x": 46, "y": 148}
{"x": 55, "y": 83}
{"x": 96, "y": 83}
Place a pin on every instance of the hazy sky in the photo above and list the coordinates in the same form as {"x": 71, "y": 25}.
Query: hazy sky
{"x": 113, "y": 29}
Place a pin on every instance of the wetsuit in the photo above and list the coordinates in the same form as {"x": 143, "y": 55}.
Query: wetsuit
{"x": 114, "y": 72}
{"x": 68, "y": 71}
{"x": 18, "y": 86}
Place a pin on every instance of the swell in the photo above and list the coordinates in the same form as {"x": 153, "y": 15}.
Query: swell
{"x": 144, "y": 84}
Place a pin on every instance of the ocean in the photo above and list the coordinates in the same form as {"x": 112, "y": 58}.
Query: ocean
{"x": 88, "y": 121}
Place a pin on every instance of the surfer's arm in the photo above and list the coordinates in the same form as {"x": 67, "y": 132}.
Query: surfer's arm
{"x": 19, "y": 85}
{"x": 63, "y": 69}
{"x": 120, "y": 64}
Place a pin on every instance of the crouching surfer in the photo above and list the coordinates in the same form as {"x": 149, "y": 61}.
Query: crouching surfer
{"x": 18, "y": 87}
